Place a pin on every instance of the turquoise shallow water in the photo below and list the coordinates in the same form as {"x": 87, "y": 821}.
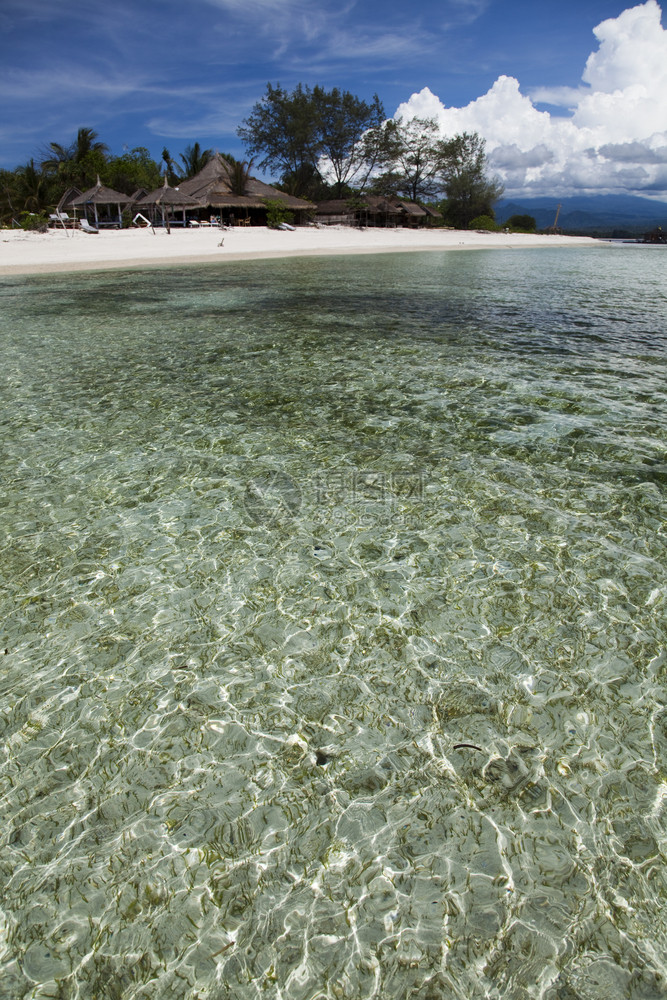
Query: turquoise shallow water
{"x": 277, "y": 538}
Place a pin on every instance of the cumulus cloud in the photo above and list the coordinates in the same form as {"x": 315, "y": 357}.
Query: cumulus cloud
{"x": 614, "y": 138}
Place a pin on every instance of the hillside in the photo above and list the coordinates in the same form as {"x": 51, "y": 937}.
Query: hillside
{"x": 605, "y": 214}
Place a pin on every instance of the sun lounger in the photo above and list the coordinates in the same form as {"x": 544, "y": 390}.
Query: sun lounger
{"x": 86, "y": 227}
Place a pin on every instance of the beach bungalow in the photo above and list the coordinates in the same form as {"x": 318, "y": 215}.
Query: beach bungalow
{"x": 374, "y": 211}
{"x": 214, "y": 190}
{"x": 102, "y": 200}
{"x": 369, "y": 210}
{"x": 416, "y": 216}
{"x": 162, "y": 203}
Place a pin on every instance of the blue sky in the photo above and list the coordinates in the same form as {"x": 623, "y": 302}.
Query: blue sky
{"x": 159, "y": 72}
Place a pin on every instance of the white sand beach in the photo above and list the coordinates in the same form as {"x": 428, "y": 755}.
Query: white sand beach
{"x": 35, "y": 253}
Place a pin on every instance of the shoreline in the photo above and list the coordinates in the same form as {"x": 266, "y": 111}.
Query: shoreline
{"x": 25, "y": 253}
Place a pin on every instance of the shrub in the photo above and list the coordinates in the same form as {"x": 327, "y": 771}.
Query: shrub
{"x": 523, "y": 223}
{"x": 484, "y": 222}
{"x": 34, "y": 221}
{"x": 276, "y": 213}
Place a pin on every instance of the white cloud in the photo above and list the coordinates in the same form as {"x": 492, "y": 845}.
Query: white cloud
{"x": 615, "y": 139}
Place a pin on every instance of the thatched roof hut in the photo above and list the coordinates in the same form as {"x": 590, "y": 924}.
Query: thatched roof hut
{"x": 167, "y": 199}
{"x": 416, "y": 215}
{"x": 373, "y": 210}
{"x": 101, "y": 196}
{"x": 213, "y": 187}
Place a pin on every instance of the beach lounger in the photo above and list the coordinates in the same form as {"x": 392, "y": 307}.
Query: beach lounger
{"x": 86, "y": 227}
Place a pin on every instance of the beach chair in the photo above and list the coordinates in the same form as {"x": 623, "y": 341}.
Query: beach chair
{"x": 86, "y": 227}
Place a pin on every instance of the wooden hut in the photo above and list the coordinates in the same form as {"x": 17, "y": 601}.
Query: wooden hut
{"x": 164, "y": 201}
{"x": 374, "y": 210}
{"x": 214, "y": 189}
{"x": 366, "y": 210}
{"x": 412, "y": 215}
{"x": 335, "y": 212}
{"x": 102, "y": 200}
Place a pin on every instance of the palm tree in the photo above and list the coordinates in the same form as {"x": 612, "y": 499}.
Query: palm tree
{"x": 59, "y": 158}
{"x": 239, "y": 175}
{"x": 87, "y": 142}
{"x": 73, "y": 163}
{"x": 172, "y": 170}
{"x": 31, "y": 187}
{"x": 194, "y": 159}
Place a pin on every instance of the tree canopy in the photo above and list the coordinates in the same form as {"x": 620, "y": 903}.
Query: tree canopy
{"x": 468, "y": 190}
{"x": 322, "y": 143}
{"x": 419, "y": 165}
{"x": 305, "y": 134}
{"x": 408, "y": 149}
{"x": 36, "y": 186}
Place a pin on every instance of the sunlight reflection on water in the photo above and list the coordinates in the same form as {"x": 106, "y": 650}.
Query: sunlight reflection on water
{"x": 333, "y": 632}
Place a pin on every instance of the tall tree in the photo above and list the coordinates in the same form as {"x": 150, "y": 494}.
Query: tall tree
{"x": 410, "y": 152}
{"x": 342, "y": 121}
{"x": 309, "y": 136}
{"x": 30, "y": 188}
{"x": 134, "y": 169}
{"x": 239, "y": 175}
{"x": 87, "y": 141}
{"x": 78, "y": 163}
{"x": 171, "y": 169}
{"x": 282, "y": 130}
{"x": 194, "y": 159}
{"x": 462, "y": 168}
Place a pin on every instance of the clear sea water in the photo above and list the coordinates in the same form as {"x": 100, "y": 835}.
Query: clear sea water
{"x": 332, "y": 629}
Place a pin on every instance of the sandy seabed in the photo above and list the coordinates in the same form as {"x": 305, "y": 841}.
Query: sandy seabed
{"x": 57, "y": 250}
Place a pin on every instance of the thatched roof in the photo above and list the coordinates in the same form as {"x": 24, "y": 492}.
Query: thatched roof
{"x": 373, "y": 204}
{"x": 411, "y": 208}
{"x": 378, "y": 204}
{"x": 101, "y": 195}
{"x": 216, "y": 173}
{"x": 335, "y": 206}
{"x": 213, "y": 186}
{"x": 168, "y": 196}
{"x": 221, "y": 197}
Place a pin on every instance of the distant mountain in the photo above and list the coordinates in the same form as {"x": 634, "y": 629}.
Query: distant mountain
{"x": 603, "y": 213}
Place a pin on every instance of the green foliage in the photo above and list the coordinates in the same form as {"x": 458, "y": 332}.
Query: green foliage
{"x": 469, "y": 192}
{"x": 30, "y": 189}
{"x": 34, "y": 221}
{"x": 194, "y": 159}
{"x": 484, "y": 222}
{"x": 79, "y": 163}
{"x": 281, "y": 128}
{"x": 170, "y": 169}
{"x": 239, "y": 175}
{"x": 131, "y": 171}
{"x": 387, "y": 184}
{"x": 522, "y": 223}
{"x": 277, "y": 213}
{"x": 343, "y": 120}
{"x": 409, "y": 149}
{"x": 294, "y": 132}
